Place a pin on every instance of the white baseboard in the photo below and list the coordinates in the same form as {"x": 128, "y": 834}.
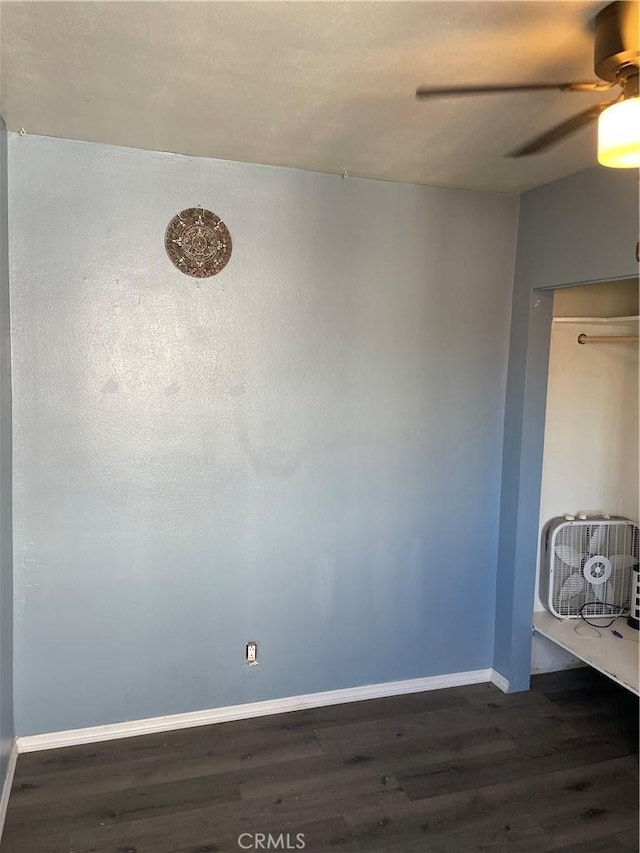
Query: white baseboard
{"x": 8, "y": 784}
{"x": 499, "y": 680}
{"x": 95, "y": 734}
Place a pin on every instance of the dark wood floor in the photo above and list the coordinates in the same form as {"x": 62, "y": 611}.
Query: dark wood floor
{"x": 460, "y": 770}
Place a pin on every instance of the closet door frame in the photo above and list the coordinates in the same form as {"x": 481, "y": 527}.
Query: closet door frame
{"x": 519, "y": 519}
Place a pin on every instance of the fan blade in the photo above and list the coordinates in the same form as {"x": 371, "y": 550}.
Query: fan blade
{"x": 569, "y": 556}
{"x": 574, "y": 585}
{"x": 425, "y": 92}
{"x": 597, "y": 539}
{"x": 603, "y": 593}
{"x": 560, "y": 131}
{"x": 620, "y": 562}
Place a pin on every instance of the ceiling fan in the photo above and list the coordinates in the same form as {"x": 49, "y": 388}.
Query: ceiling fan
{"x": 616, "y": 63}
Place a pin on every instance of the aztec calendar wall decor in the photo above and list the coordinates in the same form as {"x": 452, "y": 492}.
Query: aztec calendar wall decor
{"x": 198, "y": 242}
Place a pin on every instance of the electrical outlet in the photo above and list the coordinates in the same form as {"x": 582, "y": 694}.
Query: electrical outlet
{"x": 251, "y": 653}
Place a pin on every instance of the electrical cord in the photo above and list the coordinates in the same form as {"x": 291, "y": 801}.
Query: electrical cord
{"x": 620, "y": 610}
{"x": 597, "y": 634}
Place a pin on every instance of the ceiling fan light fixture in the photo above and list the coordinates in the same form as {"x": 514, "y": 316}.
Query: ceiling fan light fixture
{"x": 619, "y": 135}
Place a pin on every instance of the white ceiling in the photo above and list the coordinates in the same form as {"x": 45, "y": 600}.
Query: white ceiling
{"x": 327, "y": 86}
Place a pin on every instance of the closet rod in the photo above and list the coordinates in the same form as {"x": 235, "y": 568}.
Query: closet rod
{"x": 608, "y": 339}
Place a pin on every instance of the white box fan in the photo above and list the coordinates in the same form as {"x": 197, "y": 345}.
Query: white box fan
{"x": 587, "y": 565}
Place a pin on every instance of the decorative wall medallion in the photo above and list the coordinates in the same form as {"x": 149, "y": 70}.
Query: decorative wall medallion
{"x": 198, "y": 242}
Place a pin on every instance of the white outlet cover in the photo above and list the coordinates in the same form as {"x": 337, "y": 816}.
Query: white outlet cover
{"x": 251, "y": 653}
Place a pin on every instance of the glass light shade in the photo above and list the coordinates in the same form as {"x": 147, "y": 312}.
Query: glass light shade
{"x": 619, "y": 135}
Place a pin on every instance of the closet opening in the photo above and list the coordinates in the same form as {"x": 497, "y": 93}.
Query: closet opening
{"x": 590, "y": 468}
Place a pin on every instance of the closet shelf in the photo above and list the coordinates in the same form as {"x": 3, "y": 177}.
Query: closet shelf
{"x": 614, "y": 657}
{"x": 597, "y": 321}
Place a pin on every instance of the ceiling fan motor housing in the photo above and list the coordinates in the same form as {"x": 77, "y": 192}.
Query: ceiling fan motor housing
{"x": 616, "y": 51}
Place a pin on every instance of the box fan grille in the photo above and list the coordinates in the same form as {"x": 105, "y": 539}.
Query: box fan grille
{"x": 588, "y": 566}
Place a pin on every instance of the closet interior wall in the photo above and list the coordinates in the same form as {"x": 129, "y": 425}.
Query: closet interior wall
{"x": 591, "y": 427}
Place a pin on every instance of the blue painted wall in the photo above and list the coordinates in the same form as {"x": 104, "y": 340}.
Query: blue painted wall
{"x": 304, "y": 450}
{"x": 583, "y": 228}
{"x": 6, "y": 559}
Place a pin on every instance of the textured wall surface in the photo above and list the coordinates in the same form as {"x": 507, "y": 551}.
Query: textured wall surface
{"x": 577, "y": 230}
{"x": 6, "y": 567}
{"x": 304, "y": 450}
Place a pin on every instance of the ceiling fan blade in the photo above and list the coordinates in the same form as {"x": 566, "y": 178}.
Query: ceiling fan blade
{"x": 560, "y": 131}
{"x": 423, "y": 92}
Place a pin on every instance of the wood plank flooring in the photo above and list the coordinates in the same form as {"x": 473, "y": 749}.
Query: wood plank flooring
{"x": 451, "y": 771}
